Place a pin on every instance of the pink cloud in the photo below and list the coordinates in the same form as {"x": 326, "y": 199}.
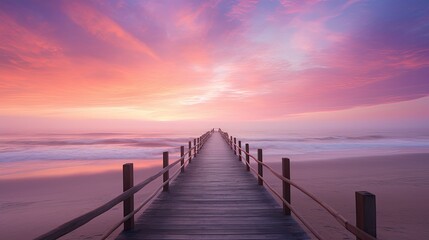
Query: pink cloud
{"x": 206, "y": 60}
{"x": 193, "y": 19}
{"x": 241, "y": 8}
{"x": 293, "y": 7}
{"x": 104, "y": 28}
{"x": 31, "y": 50}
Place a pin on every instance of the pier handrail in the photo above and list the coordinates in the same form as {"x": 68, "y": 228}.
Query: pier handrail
{"x": 85, "y": 218}
{"x": 146, "y": 201}
{"x": 362, "y": 235}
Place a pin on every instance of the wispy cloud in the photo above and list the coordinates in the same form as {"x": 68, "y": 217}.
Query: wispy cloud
{"x": 164, "y": 60}
{"x": 241, "y": 8}
{"x": 23, "y": 48}
{"x": 104, "y": 28}
{"x": 294, "y": 7}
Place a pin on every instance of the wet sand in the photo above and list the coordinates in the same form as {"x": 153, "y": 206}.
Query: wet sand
{"x": 32, "y": 206}
{"x": 400, "y": 183}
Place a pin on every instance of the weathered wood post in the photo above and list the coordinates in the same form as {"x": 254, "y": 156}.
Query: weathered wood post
{"x": 286, "y": 186}
{"x": 195, "y": 147}
{"x": 260, "y": 168}
{"x": 190, "y": 151}
{"x": 235, "y": 146}
{"x": 199, "y": 143}
{"x": 230, "y": 142}
{"x": 128, "y": 182}
{"x": 239, "y": 151}
{"x": 182, "y": 155}
{"x": 247, "y": 157}
{"x": 366, "y": 213}
{"x": 165, "y": 176}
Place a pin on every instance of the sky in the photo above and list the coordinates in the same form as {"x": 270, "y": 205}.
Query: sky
{"x": 267, "y": 64}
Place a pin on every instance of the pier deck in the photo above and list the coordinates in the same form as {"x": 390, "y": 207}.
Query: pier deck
{"x": 215, "y": 199}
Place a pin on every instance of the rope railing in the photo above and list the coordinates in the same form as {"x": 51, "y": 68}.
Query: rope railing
{"x": 146, "y": 201}
{"x": 129, "y": 193}
{"x": 232, "y": 142}
{"x": 309, "y": 227}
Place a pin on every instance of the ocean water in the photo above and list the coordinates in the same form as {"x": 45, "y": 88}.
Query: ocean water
{"x": 338, "y": 146}
{"x": 91, "y": 146}
{"x": 41, "y": 151}
{"x": 32, "y": 155}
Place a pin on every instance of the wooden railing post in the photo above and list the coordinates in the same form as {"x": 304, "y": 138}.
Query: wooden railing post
{"x": 182, "y": 162}
{"x": 247, "y": 157}
{"x": 260, "y": 167}
{"x": 286, "y": 186}
{"x": 198, "y": 144}
{"x": 128, "y": 182}
{"x": 190, "y": 151}
{"x": 165, "y": 176}
{"x": 195, "y": 147}
{"x": 230, "y": 142}
{"x": 235, "y": 146}
{"x": 239, "y": 151}
{"x": 366, "y": 213}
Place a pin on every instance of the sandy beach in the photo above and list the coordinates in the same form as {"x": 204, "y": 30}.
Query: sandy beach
{"x": 32, "y": 206}
{"x": 400, "y": 183}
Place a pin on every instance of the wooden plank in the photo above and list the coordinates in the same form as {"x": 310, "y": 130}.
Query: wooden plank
{"x": 216, "y": 198}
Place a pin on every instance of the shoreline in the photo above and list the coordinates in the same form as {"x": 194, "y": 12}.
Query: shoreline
{"x": 381, "y": 157}
{"x": 41, "y": 169}
{"x": 272, "y": 158}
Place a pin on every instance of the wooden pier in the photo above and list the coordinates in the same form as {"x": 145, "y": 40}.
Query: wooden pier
{"x": 213, "y": 195}
{"x": 216, "y": 198}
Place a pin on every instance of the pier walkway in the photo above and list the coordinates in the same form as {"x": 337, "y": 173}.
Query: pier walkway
{"x": 215, "y": 196}
{"x": 215, "y": 199}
